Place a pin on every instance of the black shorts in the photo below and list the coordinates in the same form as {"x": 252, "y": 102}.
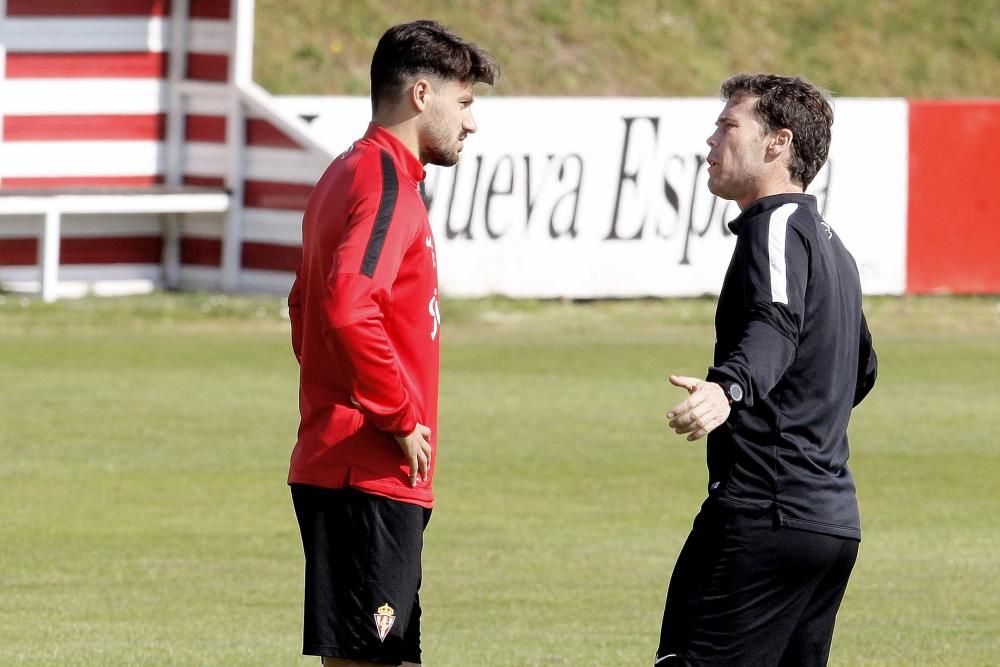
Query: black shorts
{"x": 362, "y": 574}
{"x": 746, "y": 591}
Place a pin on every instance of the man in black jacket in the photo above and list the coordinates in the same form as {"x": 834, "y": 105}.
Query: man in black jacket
{"x": 764, "y": 570}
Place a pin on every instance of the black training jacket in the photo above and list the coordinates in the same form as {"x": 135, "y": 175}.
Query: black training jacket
{"x": 792, "y": 338}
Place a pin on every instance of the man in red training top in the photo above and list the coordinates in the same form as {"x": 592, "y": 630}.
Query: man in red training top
{"x": 366, "y": 332}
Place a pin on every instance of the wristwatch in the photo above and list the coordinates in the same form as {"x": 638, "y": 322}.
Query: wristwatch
{"x": 734, "y": 392}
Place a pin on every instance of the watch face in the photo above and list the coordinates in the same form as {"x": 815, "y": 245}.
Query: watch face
{"x": 735, "y": 392}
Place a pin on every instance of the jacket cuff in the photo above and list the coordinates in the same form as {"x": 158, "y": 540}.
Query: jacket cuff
{"x": 733, "y": 388}
{"x": 400, "y": 424}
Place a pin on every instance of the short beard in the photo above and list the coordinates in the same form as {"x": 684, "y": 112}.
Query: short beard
{"x": 434, "y": 145}
{"x": 434, "y": 155}
{"x": 733, "y": 188}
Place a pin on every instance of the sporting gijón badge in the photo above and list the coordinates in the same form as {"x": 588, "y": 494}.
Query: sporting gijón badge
{"x": 384, "y": 618}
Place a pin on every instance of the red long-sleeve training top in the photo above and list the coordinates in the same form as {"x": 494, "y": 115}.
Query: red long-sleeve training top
{"x": 366, "y": 323}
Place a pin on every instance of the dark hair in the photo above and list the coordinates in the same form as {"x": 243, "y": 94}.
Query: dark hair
{"x": 795, "y": 104}
{"x": 426, "y": 47}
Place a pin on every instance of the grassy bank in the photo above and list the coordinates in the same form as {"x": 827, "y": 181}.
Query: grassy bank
{"x": 652, "y": 48}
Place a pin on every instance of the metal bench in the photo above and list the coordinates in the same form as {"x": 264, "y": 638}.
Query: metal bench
{"x": 52, "y": 204}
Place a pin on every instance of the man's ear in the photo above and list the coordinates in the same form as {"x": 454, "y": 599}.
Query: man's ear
{"x": 780, "y": 142}
{"x": 420, "y": 93}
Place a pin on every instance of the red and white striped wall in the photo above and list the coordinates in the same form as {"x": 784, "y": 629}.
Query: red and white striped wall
{"x": 134, "y": 93}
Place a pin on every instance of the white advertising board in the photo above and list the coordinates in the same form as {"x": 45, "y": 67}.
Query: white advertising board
{"x": 607, "y": 197}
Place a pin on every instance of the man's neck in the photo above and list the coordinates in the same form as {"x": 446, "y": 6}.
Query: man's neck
{"x": 403, "y": 128}
{"x": 778, "y": 186}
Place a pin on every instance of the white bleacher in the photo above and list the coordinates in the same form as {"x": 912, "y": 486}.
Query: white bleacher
{"x": 199, "y": 146}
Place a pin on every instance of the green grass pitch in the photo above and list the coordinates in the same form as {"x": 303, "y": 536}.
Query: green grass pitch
{"x": 144, "y": 517}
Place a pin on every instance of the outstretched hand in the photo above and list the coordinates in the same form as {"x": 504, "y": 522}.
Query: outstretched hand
{"x": 416, "y": 448}
{"x": 704, "y": 410}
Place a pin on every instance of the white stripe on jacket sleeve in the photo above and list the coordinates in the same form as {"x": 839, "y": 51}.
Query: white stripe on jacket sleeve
{"x": 777, "y": 228}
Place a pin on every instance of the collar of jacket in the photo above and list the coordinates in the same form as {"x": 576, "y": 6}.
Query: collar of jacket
{"x": 401, "y": 155}
{"x": 769, "y": 203}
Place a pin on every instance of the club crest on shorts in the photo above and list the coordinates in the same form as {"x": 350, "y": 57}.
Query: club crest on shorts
{"x": 384, "y": 618}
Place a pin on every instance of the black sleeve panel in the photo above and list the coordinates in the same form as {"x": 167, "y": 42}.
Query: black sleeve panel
{"x": 765, "y": 351}
{"x": 867, "y": 364}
